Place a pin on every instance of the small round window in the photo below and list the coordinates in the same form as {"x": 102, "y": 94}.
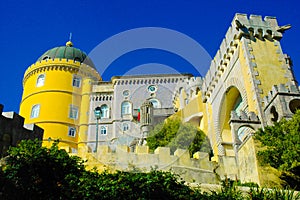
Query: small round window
{"x": 126, "y": 93}
{"x": 152, "y": 88}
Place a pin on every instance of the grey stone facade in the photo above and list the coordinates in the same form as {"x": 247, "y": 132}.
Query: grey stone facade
{"x": 123, "y": 126}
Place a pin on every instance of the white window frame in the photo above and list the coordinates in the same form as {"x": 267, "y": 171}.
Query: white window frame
{"x": 73, "y": 112}
{"x": 103, "y": 130}
{"x": 126, "y": 108}
{"x": 40, "y": 81}
{"x": 156, "y": 104}
{"x": 35, "y": 111}
{"x": 72, "y": 131}
{"x": 76, "y": 81}
{"x": 125, "y": 127}
{"x": 105, "y": 111}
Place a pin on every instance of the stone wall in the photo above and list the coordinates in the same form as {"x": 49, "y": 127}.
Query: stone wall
{"x": 198, "y": 169}
{"x": 251, "y": 171}
{"x": 13, "y": 130}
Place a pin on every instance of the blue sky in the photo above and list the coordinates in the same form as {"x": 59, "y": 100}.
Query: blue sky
{"x": 29, "y": 28}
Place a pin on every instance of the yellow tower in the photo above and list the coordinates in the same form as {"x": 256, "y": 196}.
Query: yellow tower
{"x": 56, "y": 95}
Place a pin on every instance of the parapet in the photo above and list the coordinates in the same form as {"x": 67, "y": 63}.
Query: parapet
{"x": 191, "y": 86}
{"x": 59, "y": 64}
{"x": 241, "y": 27}
{"x": 244, "y": 117}
{"x": 13, "y": 130}
{"x": 199, "y": 168}
{"x": 283, "y": 89}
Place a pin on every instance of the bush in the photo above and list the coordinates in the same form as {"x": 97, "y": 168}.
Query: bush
{"x": 281, "y": 148}
{"x": 175, "y": 134}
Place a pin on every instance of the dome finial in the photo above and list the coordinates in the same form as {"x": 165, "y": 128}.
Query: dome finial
{"x": 69, "y": 43}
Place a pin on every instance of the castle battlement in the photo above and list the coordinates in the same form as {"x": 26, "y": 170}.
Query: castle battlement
{"x": 149, "y": 79}
{"x": 199, "y": 168}
{"x": 191, "y": 86}
{"x": 286, "y": 89}
{"x": 13, "y": 130}
{"x": 250, "y": 117}
{"x": 241, "y": 26}
{"x": 61, "y": 64}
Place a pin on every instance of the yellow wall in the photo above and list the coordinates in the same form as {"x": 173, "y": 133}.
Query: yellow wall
{"x": 55, "y": 98}
{"x": 84, "y": 112}
{"x": 252, "y": 104}
{"x": 269, "y": 67}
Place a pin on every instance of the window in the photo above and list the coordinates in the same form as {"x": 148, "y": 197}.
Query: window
{"x": 72, "y": 132}
{"x": 105, "y": 111}
{"x": 126, "y": 93}
{"x": 40, "y": 80}
{"x": 35, "y": 111}
{"x": 155, "y": 103}
{"x": 152, "y": 88}
{"x": 76, "y": 81}
{"x": 103, "y": 130}
{"x": 125, "y": 127}
{"x": 73, "y": 113}
{"x": 126, "y": 108}
{"x": 186, "y": 101}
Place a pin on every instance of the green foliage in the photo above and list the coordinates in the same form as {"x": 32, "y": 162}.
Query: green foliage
{"x": 281, "y": 146}
{"x": 175, "y": 134}
{"x": 229, "y": 191}
{"x": 127, "y": 185}
{"x": 257, "y": 193}
{"x": 33, "y": 170}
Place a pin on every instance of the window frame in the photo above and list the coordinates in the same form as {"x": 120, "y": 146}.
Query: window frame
{"x": 127, "y": 109}
{"x": 71, "y": 128}
{"x": 125, "y": 127}
{"x": 71, "y": 109}
{"x": 35, "y": 111}
{"x": 103, "y": 130}
{"x": 76, "y": 81}
{"x": 40, "y": 82}
{"x": 157, "y": 102}
{"x": 105, "y": 112}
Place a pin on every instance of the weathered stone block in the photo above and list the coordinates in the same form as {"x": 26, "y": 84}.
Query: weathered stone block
{"x": 141, "y": 149}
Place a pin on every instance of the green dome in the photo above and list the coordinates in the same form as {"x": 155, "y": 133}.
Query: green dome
{"x": 67, "y": 52}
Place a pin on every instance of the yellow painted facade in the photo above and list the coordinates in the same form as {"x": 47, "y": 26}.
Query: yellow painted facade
{"x": 57, "y": 94}
{"x": 269, "y": 65}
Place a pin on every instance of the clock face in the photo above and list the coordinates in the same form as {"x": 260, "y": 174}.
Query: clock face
{"x": 152, "y": 88}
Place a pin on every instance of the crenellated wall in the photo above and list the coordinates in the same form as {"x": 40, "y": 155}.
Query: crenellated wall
{"x": 281, "y": 102}
{"x": 197, "y": 169}
{"x": 239, "y": 75}
{"x": 13, "y": 130}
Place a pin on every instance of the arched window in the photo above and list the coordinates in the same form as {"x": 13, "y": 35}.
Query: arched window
{"x": 125, "y": 127}
{"x": 105, "y": 111}
{"x": 244, "y": 131}
{"x": 35, "y": 111}
{"x": 155, "y": 103}
{"x": 126, "y": 108}
{"x": 72, "y": 132}
{"x": 103, "y": 130}
{"x": 40, "y": 80}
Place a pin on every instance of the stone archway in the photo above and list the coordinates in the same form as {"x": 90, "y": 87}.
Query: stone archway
{"x": 233, "y": 93}
{"x": 231, "y": 101}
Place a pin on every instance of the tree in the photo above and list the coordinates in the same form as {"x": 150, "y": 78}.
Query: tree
{"x": 33, "y": 171}
{"x": 281, "y": 145}
{"x": 175, "y": 134}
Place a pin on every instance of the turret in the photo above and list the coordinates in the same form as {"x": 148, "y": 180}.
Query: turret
{"x": 56, "y": 94}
